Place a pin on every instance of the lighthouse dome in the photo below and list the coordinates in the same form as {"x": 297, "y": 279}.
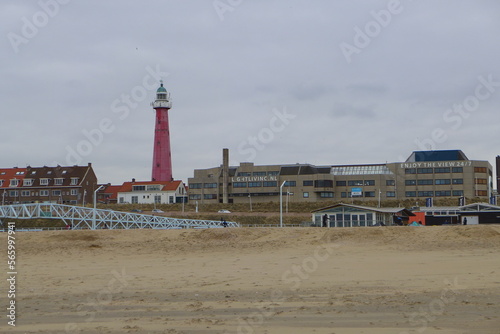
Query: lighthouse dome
{"x": 161, "y": 89}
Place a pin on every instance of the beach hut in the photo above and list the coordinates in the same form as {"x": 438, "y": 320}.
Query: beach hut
{"x": 349, "y": 215}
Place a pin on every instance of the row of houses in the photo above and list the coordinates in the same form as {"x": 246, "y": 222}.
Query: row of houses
{"x": 65, "y": 185}
{"x": 77, "y": 185}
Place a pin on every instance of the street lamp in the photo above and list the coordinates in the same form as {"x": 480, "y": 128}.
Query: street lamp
{"x": 281, "y": 203}
{"x": 95, "y": 204}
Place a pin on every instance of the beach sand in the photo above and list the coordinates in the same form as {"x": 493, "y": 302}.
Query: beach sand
{"x": 258, "y": 280}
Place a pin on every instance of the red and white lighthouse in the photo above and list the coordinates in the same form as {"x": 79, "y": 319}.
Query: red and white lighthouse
{"x": 162, "y": 159}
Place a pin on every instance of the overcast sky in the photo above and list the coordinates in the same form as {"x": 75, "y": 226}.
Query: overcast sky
{"x": 275, "y": 81}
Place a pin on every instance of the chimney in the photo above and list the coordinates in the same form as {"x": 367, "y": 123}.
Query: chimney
{"x": 225, "y": 175}
{"x": 133, "y": 180}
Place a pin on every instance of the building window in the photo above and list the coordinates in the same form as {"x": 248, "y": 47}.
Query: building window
{"x": 457, "y": 181}
{"x": 458, "y": 192}
{"x": 58, "y": 182}
{"x": 74, "y": 181}
{"x": 56, "y": 193}
{"x": 239, "y": 184}
{"x": 195, "y": 186}
{"x": 195, "y": 196}
{"x": 259, "y": 173}
{"x": 308, "y": 183}
{"x": 290, "y": 183}
{"x": 390, "y": 182}
{"x": 410, "y": 182}
{"x": 254, "y": 184}
{"x": 481, "y": 193}
{"x": 369, "y": 194}
{"x": 343, "y": 194}
{"x": 25, "y": 193}
{"x": 411, "y": 194}
{"x": 442, "y": 170}
{"x": 74, "y": 192}
{"x": 425, "y": 182}
{"x": 210, "y": 185}
{"x": 323, "y": 184}
{"x": 341, "y": 183}
{"x": 425, "y": 194}
{"x": 244, "y": 174}
{"x": 138, "y": 188}
{"x": 443, "y": 181}
{"x": 273, "y": 173}
{"x": 157, "y": 199}
{"x": 13, "y": 193}
{"x": 14, "y": 183}
{"x": 390, "y": 194}
{"x": 326, "y": 194}
{"x": 442, "y": 193}
{"x": 355, "y": 183}
{"x": 270, "y": 184}
{"x": 457, "y": 170}
{"x": 121, "y": 200}
{"x": 305, "y": 195}
{"x": 369, "y": 182}
{"x": 44, "y": 182}
{"x": 210, "y": 196}
{"x": 27, "y": 182}
{"x": 424, "y": 170}
{"x": 481, "y": 181}
{"x": 410, "y": 171}
{"x": 480, "y": 170}
{"x": 135, "y": 199}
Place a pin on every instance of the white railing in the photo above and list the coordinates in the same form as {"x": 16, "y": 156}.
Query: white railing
{"x": 88, "y": 218}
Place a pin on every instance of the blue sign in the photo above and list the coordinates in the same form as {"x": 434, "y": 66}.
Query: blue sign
{"x": 356, "y": 191}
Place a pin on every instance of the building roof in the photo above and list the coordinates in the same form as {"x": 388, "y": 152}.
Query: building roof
{"x": 67, "y": 173}
{"x": 7, "y": 174}
{"x": 441, "y": 155}
{"x": 111, "y": 190}
{"x": 473, "y": 207}
{"x": 166, "y": 185}
{"x": 368, "y": 208}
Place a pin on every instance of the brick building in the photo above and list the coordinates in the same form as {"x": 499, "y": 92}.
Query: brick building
{"x": 64, "y": 185}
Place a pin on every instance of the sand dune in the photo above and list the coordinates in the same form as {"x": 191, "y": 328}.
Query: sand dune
{"x": 252, "y": 280}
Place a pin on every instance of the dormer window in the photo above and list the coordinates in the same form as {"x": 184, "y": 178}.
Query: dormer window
{"x": 27, "y": 182}
{"x": 1, "y": 183}
{"x": 58, "y": 181}
{"x": 44, "y": 182}
{"x": 14, "y": 183}
{"x": 74, "y": 181}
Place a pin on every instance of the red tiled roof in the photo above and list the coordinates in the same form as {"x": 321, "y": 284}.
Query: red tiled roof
{"x": 7, "y": 174}
{"x": 167, "y": 185}
{"x": 113, "y": 190}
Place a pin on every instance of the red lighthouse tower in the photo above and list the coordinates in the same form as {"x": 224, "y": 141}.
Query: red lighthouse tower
{"x": 162, "y": 159}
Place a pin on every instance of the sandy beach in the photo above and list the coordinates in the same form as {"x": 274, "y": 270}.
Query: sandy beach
{"x": 258, "y": 280}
